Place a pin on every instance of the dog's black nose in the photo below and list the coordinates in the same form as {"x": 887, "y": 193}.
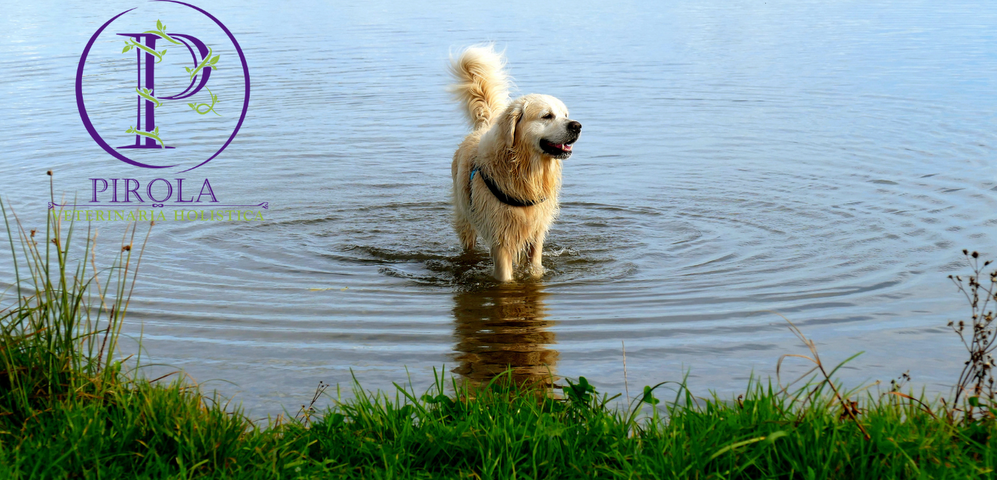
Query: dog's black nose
{"x": 574, "y": 127}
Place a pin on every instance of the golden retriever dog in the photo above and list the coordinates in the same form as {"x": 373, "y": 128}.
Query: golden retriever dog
{"x": 507, "y": 171}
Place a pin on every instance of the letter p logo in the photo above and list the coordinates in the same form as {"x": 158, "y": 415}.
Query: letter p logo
{"x": 187, "y": 52}
{"x": 145, "y": 130}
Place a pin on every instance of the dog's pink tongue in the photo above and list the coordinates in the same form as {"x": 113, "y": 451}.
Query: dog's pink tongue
{"x": 566, "y": 148}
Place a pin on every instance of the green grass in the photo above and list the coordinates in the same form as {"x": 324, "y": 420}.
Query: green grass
{"x": 70, "y": 407}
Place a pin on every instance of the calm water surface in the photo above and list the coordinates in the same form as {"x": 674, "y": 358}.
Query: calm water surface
{"x": 824, "y": 161}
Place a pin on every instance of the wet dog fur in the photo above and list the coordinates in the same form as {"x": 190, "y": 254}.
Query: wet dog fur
{"x": 519, "y": 145}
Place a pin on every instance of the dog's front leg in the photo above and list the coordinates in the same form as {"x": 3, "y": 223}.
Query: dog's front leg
{"x": 503, "y": 263}
{"x": 535, "y": 252}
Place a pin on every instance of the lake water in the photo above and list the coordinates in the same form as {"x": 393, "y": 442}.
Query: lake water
{"x": 825, "y": 161}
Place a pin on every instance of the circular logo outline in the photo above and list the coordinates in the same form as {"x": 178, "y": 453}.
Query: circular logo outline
{"x": 93, "y": 130}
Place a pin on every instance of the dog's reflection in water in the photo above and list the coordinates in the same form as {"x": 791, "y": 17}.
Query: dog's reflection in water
{"x": 501, "y": 327}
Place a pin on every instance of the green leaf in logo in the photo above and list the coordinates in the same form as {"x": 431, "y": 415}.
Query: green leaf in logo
{"x": 147, "y": 94}
{"x": 129, "y": 44}
{"x": 204, "y": 108}
{"x": 206, "y": 62}
{"x": 153, "y": 134}
{"x": 161, "y": 31}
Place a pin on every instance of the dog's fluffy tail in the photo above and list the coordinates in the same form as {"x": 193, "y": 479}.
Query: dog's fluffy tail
{"x": 482, "y": 86}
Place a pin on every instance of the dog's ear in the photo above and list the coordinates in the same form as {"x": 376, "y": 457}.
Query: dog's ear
{"x": 508, "y": 123}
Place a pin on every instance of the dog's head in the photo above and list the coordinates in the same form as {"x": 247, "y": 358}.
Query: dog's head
{"x": 539, "y": 124}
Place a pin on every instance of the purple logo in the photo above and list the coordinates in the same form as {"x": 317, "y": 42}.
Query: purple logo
{"x": 182, "y": 83}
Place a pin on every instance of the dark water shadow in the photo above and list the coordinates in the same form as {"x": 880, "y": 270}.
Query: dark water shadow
{"x": 503, "y": 326}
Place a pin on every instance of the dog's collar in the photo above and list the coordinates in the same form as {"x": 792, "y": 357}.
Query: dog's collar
{"x": 500, "y": 195}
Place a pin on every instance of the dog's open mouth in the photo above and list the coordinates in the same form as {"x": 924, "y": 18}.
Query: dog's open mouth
{"x": 557, "y": 150}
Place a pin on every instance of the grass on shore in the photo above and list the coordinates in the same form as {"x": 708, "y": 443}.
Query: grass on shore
{"x": 68, "y": 409}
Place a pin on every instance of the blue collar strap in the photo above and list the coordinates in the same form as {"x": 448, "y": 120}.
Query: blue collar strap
{"x": 500, "y": 195}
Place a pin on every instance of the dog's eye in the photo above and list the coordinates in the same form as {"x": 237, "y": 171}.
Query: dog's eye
{"x": 548, "y": 116}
